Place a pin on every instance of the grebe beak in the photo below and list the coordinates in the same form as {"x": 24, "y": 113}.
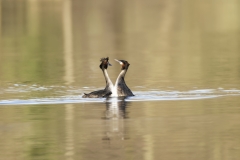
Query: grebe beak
{"x": 109, "y": 64}
{"x": 118, "y": 61}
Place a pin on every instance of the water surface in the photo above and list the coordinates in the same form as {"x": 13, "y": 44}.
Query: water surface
{"x": 184, "y": 71}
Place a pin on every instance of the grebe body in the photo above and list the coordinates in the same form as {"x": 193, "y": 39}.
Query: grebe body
{"x": 121, "y": 89}
{"x": 109, "y": 85}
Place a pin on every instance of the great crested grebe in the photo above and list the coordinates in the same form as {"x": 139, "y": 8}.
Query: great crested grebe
{"x": 120, "y": 88}
{"x": 109, "y": 85}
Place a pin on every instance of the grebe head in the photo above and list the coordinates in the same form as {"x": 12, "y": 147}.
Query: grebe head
{"x": 105, "y": 63}
{"x": 123, "y": 63}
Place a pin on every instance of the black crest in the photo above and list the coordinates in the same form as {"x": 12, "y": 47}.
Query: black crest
{"x": 104, "y": 63}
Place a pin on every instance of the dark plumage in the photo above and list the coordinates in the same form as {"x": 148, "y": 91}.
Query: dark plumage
{"x": 98, "y": 94}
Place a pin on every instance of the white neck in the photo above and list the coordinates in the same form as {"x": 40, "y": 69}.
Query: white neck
{"x": 108, "y": 80}
{"x": 119, "y": 80}
{"x": 121, "y": 74}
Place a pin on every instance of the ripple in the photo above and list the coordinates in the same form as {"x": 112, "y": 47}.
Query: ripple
{"x": 64, "y": 100}
{"x": 151, "y": 95}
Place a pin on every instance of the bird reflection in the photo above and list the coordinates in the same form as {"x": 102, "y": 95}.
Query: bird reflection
{"x": 114, "y": 115}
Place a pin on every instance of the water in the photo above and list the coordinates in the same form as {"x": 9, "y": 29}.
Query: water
{"x": 184, "y": 71}
{"x": 70, "y": 94}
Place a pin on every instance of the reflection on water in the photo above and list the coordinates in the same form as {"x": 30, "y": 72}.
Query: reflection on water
{"x": 116, "y": 108}
{"x": 140, "y": 130}
{"x": 114, "y": 115}
{"x": 69, "y": 147}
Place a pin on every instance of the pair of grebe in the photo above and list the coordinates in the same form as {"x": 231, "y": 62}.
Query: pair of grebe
{"x": 120, "y": 88}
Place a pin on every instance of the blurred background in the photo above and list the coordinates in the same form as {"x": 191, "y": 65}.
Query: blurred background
{"x": 52, "y": 48}
{"x": 173, "y": 43}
